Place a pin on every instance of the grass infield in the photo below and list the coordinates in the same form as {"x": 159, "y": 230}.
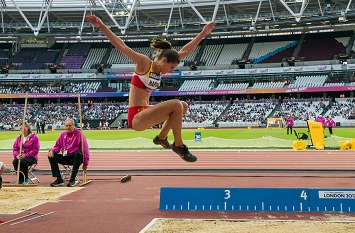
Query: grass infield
{"x": 211, "y": 138}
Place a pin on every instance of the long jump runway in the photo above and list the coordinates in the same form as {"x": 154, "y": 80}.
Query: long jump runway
{"x": 213, "y": 160}
{"x": 106, "y": 205}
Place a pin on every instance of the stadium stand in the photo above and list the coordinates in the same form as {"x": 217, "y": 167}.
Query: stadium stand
{"x": 342, "y": 111}
{"x": 313, "y": 47}
{"x": 231, "y": 52}
{"x": 75, "y": 55}
{"x": 302, "y": 110}
{"x": 246, "y": 113}
{"x": 210, "y": 54}
{"x": 95, "y": 55}
{"x": 232, "y": 86}
{"x": 264, "y": 50}
{"x": 263, "y": 85}
{"x": 191, "y": 85}
{"x": 309, "y": 81}
{"x": 203, "y": 114}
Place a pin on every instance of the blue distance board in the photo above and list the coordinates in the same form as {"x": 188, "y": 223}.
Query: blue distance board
{"x": 332, "y": 200}
{"x": 257, "y": 199}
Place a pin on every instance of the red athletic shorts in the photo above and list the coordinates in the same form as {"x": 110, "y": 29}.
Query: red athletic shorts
{"x": 132, "y": 111}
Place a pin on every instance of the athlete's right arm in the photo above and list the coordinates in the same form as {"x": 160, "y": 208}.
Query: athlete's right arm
{"x": 141, "y": 60}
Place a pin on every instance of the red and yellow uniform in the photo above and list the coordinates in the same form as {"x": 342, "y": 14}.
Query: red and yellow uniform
{"x": 149, "y": 82}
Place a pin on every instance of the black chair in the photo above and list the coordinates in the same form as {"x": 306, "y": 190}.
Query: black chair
{"x": 66, "y": 173}
{"x": 32, "y": 177}
{"x": 301, "y": 136}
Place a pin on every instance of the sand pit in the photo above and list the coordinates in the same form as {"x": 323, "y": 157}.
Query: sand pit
{"x": 247, "y": 226}
{"x": 14, "y": 200}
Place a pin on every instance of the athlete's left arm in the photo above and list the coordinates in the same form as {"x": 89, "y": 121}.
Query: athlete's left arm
{"x": 191, "y": 46}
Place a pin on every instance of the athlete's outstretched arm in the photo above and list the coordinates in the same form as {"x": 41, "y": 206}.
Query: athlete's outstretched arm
{"x": 191, "y": 46}
{"x": 141, "y": 60}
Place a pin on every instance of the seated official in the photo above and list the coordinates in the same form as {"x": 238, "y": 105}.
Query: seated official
{"x": 29, "y": 153}
{"x": 68, "y": 151}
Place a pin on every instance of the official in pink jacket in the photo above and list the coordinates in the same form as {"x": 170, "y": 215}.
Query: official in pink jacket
{"x": 29, "y": 153}
{"x": 2, "y": 169}
{"x": 321, "y": 119}
{"x": 68, "y": 151}
{"x": 289, "y": 124}
{"x": 330, "y": 124}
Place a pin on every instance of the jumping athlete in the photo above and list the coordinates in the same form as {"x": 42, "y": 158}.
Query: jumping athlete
{"x": 146, "y": 78}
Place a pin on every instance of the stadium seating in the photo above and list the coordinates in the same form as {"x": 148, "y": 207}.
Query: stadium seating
{"x": 199, "y": 85}
{"x": 231, "y": 52}
{"x": 309, "y": 81}
{"x": 232, "y": 86}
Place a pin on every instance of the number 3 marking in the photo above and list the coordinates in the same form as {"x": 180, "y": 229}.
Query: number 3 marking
{"x": 228, "y": 194}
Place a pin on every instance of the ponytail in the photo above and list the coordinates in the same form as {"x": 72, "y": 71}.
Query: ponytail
{"x": 162, "y": 48}
{"x": 159, "y": 43}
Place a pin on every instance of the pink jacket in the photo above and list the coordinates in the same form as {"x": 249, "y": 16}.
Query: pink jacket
{"x": 321, "y": 120}
{"x": 331, "y": 123}
{"x": 72, "y": 143}
{"x": 30, "y": 147}
{"x": 289, "y": 121}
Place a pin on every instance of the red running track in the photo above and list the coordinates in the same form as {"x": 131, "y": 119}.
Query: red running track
{"x": 106, "y": 205}
{"x": 213, "y": 159}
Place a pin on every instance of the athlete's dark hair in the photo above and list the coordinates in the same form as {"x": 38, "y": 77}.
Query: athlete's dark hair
{"x": 162, "y": 48}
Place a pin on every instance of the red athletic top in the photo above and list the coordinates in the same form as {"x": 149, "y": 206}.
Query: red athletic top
{"x": 148, "y": 81}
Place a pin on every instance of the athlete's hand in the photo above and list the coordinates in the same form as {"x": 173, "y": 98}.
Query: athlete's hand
{"x": 208, "y": 28}
{"x": 94, "y": 20}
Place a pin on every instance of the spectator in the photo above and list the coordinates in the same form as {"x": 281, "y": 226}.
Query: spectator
{"x": 76, "y": 122}
{"x": 29, "y": 153}
{"x": 88, "y": 126}
{"x": 43, "y": 124}
{"x": 38, "y": 125}
{"x": 107, "y": 125}
{"x": 68, "y": 151}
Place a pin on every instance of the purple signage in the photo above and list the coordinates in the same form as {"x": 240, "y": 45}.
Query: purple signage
{"x": 185, "y": 93}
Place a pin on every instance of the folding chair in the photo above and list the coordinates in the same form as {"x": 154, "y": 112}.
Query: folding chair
{"x": 301, "y": 136}
{"x": 32, "y": 177}
{"x": 66, "y": 173}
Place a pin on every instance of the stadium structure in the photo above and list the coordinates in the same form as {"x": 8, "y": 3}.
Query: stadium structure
{"x": 264, "y": 59}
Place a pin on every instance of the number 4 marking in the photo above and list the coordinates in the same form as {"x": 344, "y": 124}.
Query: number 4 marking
{"x": 304, "y": 195}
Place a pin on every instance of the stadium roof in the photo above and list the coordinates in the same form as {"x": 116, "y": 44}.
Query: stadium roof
{"x": 181, "y": 18}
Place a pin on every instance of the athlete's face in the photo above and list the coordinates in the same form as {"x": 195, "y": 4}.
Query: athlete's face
{"x": 167, "y": 67}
